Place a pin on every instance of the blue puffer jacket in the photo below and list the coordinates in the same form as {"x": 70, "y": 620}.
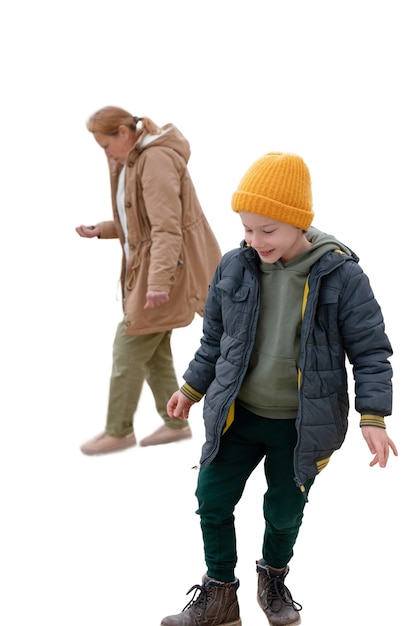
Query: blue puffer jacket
{"x": 341, "y": 318}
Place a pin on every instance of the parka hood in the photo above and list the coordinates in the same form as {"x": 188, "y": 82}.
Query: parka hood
{"x": 169, "y": 137}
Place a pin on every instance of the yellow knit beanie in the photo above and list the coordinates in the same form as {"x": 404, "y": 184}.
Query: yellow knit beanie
{"x": 278, "y": 186}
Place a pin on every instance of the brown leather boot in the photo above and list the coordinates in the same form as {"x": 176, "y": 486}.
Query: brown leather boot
{"x": 274, "y": 598}
{"x": 216, "y": 605}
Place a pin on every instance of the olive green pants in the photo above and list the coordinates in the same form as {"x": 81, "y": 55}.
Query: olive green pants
{"x": 137, "y": 359}
{"x": 220, "y": 486}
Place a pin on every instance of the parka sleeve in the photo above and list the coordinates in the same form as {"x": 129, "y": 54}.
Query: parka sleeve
{"x": 107, "y": 230}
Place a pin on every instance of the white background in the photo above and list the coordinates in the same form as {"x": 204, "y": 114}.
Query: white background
{"x": 114, "y": 540}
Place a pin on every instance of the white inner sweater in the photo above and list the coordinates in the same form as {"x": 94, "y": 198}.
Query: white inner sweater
{"x": 120, "y": 203}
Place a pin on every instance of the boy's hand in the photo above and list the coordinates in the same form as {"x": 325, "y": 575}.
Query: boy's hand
{"x": 179, "y": 405}
{"x": 379, "y": 444}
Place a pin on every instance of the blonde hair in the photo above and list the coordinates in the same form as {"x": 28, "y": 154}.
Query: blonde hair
{"x": 108, "y": 119}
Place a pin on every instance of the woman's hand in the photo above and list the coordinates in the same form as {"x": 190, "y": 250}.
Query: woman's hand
{"x": 155, "y": 298}
{"x": 88, "y": 231}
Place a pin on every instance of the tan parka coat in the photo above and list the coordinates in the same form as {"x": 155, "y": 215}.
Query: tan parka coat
{"x": 171, "y": 245}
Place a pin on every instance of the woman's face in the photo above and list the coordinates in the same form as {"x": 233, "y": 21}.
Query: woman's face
{"x": 117, "y": 147}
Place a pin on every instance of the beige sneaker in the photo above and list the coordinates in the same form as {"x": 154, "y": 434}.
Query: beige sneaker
{"x": 165, "y": 434}
{"x": 104, "y": 444}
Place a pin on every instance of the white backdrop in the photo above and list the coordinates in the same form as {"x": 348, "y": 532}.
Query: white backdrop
{"x": 114, "y": 540}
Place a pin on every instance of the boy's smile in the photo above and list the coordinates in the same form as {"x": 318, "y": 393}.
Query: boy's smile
{"x": 273, "y": 240}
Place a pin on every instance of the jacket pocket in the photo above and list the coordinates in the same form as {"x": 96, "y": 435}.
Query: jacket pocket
{"x": 327, "y": 316}
{"x": 237, "y": 307}
{"x": 237, "y": 292}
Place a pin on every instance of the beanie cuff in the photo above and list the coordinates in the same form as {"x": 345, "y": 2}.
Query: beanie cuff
{"x": 254, "y": 203}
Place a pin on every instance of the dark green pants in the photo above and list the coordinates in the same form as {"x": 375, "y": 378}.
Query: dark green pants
{"x": 220, "y": 486}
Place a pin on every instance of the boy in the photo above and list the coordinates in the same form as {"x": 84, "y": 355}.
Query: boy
{"x": 282, "y": 314}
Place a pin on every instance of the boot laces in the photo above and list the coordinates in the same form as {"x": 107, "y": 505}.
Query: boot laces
{"x": 199, "y": 602}
{"x": 276, "y": 590}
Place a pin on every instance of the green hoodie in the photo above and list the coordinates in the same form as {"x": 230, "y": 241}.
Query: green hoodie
{"x": 270, "y": 386}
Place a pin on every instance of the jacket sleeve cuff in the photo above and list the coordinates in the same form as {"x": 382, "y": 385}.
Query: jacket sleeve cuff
{"x": 191, "y": 393}
{"x": 372, "y": 420}
{"x": 107, "y": 230}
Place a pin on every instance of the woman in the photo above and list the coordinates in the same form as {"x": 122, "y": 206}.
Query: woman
{"x": 169, "y": 256}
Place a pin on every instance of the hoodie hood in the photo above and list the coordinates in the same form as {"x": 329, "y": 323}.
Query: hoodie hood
{"x": 321, "y": 244}
{"x": 319, "y": 239}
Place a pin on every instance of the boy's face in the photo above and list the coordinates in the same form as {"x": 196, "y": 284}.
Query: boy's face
{"x": 273, "y": 240}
